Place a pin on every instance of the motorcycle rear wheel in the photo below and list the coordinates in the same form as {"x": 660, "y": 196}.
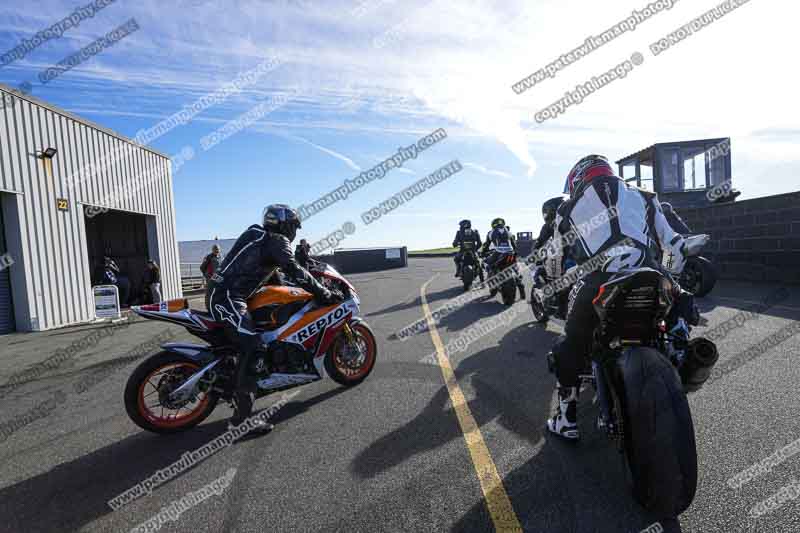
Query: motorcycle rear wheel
{"x": 659, "y": 442}
{"x": 467, "y": 276}
{"x": 162, "y": 368}
{"x": 509, "y": 293}
{"x": 539, "y": 314}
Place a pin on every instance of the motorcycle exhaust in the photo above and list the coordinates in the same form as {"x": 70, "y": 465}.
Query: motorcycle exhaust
{"x": 701, "y": 356}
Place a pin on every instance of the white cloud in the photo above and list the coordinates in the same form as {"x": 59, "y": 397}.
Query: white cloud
{"x": 456, "y": 62}
{"x": 346, "y": 160}
{"x": 489, "y": 172}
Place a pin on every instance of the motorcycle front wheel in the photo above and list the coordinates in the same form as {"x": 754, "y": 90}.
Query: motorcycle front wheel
{"x": 699, "y": 276}
{"x": 350, "y": 364}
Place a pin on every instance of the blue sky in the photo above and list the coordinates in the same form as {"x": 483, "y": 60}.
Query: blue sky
{"x": 377, "y": 74}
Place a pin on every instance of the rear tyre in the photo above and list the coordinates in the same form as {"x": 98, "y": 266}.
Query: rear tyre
{"x": 659, "y": 441}
{"x": 539, "y": 314}
{"x": 148, "y": 387}
{"x": 509, "y": 293}
{"x": 467, "y": 276}
{"x": 699, "y": 276}
{"x": 350, "y": 367}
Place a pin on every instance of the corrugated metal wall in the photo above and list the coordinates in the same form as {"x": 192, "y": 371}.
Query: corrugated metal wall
{"x": 54, "y": 247}
{"x": 6, "y": 303}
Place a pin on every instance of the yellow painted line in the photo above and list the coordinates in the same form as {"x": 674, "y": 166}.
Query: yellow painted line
{"x": 497, "y": 501}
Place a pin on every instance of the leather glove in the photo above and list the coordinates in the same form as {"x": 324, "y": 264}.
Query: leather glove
{"x": 327, "y": 297}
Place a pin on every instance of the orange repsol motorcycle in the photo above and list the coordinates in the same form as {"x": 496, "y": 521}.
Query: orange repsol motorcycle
{"x": 180, "y": 386}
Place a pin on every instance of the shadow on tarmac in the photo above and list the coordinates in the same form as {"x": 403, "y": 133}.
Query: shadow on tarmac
{"x": 76, "y": 493}
{"x": 565, "y": 486}
{"x": 450, "y": 292}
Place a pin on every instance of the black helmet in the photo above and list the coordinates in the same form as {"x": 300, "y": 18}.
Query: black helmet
{"x": 280, "y": 218}
{"x": 550, "y": 207}
{"x": 465, "y": 224}
{"x": 498, "y": 223}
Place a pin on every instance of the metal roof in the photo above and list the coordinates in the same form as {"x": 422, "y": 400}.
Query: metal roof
{"x": 42, "y": 103}
{"x": 646, "y": 151}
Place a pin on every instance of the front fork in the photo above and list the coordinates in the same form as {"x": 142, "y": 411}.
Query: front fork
{"x": 350, "y": 341}
{"x": 348, "y": 334}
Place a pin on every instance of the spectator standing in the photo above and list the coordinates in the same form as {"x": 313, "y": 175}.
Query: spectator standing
{"x": 152, "y": 281}
{"x": 211, "y": 263}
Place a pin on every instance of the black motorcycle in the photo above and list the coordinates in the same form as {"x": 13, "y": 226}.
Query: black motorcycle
{"x": 501, "y": 259}
{"x": 546, "y": 302}
{"x": 470, "y": 265}
{"x": 641, "y": 366}
{"x": 699, "y": 274}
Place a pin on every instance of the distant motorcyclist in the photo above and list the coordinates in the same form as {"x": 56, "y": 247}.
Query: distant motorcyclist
{"x": 594, "y": 190}
{"x": 465, "y": 238}
{"x": 499, "y": 238}
{"x": 549, "y": 210}
{"x": 302, "y": 253}
{"x": 255, "y": 256}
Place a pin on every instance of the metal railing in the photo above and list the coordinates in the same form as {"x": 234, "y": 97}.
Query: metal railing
{"x": 191, "y": 270}
{"x": 191, "y": 277}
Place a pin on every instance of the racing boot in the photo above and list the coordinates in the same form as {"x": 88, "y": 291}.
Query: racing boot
{"x": 565, "y": 422}
{"x": 458, "y": 270}
{"x": 243, "y": 394}
{"x": 521, "y": 288}
{"x": 242, "y": 408}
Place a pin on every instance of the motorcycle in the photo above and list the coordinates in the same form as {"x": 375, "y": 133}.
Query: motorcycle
{"x": 699, "y": 274}
{"x": 469, "y": 265}
{"x": 506, "y": 258}
{"x": 641, "y": 367}
{"x": 303, "y": 342}
{"x": 546, "y": 303}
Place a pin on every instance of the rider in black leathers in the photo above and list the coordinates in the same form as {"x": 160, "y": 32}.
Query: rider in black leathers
{"x": 500, "y": 236}
{"x": 549, "y": 210}
{"x": 603, "y": 212}
{"x": 255, "y": 256}
{"x": 466, "y": 235}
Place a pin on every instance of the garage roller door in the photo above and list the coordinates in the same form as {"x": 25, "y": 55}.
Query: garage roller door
{"x": 6, "y": 309}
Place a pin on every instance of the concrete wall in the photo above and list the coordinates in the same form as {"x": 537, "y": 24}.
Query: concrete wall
{"x": 51, "y": 282}
{"x": 366, "y": 260}
{"x": 752, "y": 240}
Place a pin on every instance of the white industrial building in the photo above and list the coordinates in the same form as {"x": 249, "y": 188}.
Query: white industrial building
{"x": 72, "y": 192}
